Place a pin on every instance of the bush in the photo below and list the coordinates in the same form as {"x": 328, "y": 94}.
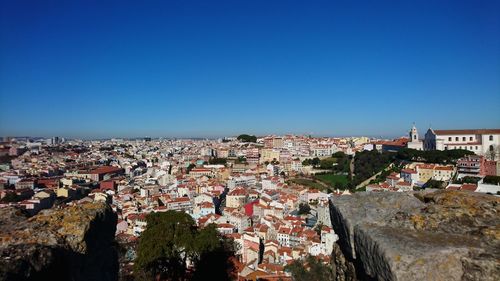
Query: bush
{"x": 492, "y": 180}
{"x": 468, "y": 179}
{"x": 434, "y": 184}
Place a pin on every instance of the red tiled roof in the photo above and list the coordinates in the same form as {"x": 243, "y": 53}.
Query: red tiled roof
{"x": 225, "y": 225}
{"x": 470, "y": 187}
{"x": 444, "y": 168}
{"x": 408, "y": 171}
{"x": 105, "y": 170}
{"x": 403, "y": 183}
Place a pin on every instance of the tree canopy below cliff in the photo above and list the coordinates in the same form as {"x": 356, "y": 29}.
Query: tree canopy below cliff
{"x": 171, "y": 239}
{"x": 310, "y": 269}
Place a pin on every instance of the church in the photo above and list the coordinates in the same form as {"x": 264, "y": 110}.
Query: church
{"x": 479, "y": 141}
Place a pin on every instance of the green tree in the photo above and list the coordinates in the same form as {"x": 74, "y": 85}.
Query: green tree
{"x": 304, "y": 209}
{"x": 327, "y": 163}
{"x": 247, "y": 138}
{"x": 432, "y": 156}
{"x": 220, "y": 161}
{"x": 310, "y": 269}
{"x": 241, "y": 160}
{"x": 468, "y": 179}
{"x": 339, "y": 154}
{"x": 10, "y": 197}
{"x": 434, "y": 184}
{"x": 368, "y": 163}
{"x": 165, "y": 246}
{"x": 189, "y": 168}
{"x": 171, "y": 239}
{"x": 213, "y": 255}
{"x": 492, "y": 180}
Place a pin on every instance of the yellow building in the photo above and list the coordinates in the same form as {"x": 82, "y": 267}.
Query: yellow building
{"x": 269, "y": 155}
{"x": 425, "y": 172}
{"x": 66, "y": 192}
{"x": 237, "y": 198}
{"x": 443, "y": 173}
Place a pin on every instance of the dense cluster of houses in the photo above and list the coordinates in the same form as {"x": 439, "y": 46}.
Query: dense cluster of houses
{"x": 244, "y": 192}
{"x": 245, "y": 196}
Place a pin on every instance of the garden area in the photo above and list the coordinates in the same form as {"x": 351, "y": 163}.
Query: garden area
{"x": 337, "y": 181}
{"x": 309, "y": 183}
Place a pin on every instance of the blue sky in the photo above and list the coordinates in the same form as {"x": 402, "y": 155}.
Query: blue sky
{"x": 211, "y": 68}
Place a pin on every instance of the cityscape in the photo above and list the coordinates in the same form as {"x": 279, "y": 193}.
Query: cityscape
{"x": 268, "y": 194}
{"x": 249, "y": 141}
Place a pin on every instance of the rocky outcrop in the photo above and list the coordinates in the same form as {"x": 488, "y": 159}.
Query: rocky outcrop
{"x": 344, "y": 270}
{"x": 74, "y": 243}
{"x": 438, "y": 235}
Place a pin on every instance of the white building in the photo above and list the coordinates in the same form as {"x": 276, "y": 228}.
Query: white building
{"x": 243, "y": 180}
{"x": 325, "y": 150}
{"x": 328, "y": 238}
{"x": 479, "y": 141}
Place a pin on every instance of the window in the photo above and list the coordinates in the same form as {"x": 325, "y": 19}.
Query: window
{"x": 470, "y": 138}
{"x": 491, "y": 147}
{"x": 449, "y": 138}
{"x": 491, "y": 138}
{"x": 463, "y": 138}
{"x": 456, "y": 138}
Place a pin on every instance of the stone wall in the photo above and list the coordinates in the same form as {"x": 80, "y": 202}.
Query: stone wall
{"x": 438, "y": 235}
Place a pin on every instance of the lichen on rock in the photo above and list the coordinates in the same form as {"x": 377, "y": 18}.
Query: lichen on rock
{"x": 439, "y": 235}
{"x": 72, "y": 243}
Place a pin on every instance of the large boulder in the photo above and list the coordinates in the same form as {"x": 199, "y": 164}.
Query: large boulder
{"x": 72, "y": 243}
{"x": 439, "y": 235}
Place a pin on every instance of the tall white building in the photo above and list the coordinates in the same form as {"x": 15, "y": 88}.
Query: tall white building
{"x": 479, "y": 141}
{"x": 414, "y": 142}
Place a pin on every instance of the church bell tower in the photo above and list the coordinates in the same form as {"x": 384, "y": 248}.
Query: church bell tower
{"x": 413, "y": 134}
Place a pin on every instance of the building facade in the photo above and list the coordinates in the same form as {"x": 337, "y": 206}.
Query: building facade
{"x": 479, "y": 141}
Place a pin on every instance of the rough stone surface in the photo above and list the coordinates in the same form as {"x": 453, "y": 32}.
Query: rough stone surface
{"x": 344, "y": 270}
{"x": 74, "y": 243}
{"x": 439, "y": 235}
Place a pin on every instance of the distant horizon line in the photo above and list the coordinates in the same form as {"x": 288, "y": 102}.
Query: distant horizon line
{"x": 199, "y": 137}
{"x": 382, "y": 136}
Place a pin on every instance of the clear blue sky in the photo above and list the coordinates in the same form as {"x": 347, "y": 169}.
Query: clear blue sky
{"x": 210, "y": 68}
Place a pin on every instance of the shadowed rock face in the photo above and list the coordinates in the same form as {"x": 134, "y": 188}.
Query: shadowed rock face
{"x": 439, "y": 235}
{"x": 75, "y": 243}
